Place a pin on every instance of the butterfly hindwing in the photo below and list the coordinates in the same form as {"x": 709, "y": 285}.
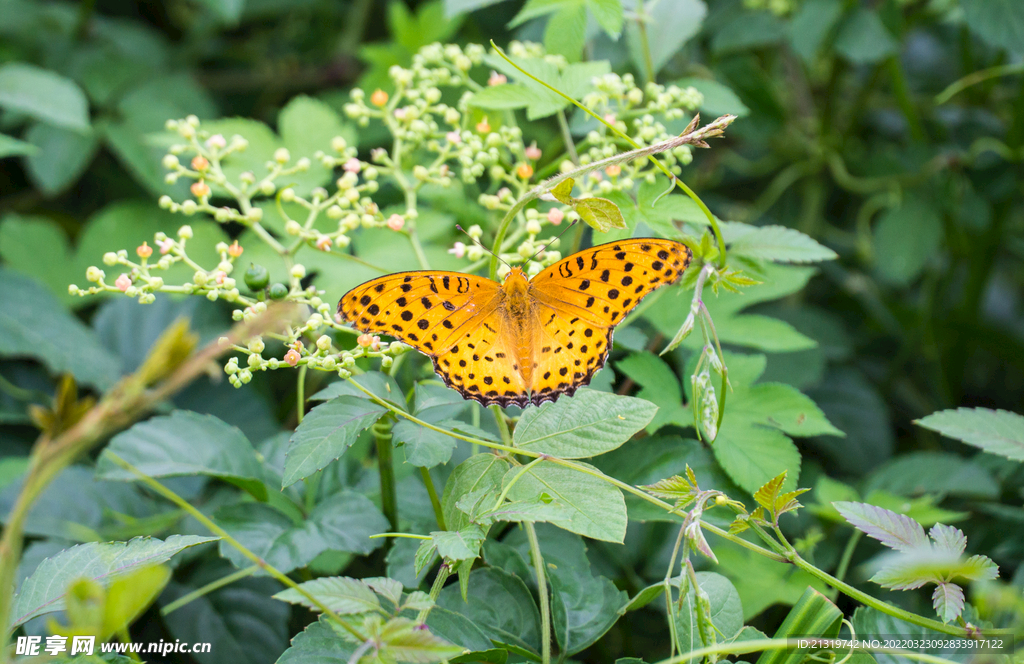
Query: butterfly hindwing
{"x": 604, "y": 283}
{"x": 427, "y": 310}
{"x": 482, "y": 365}
{"x": 569, "y": 350}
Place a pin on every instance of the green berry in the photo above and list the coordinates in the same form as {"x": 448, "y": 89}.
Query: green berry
{"x": 256, "y": 277}
{"x": 278, "y": 292}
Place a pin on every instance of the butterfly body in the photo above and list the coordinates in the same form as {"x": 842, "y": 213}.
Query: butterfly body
{"x": 523, "y": 341}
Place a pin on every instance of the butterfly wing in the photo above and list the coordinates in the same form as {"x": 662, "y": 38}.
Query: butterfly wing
{"x": 482, "y": 365}
{"x": 602, "y": 284}
{"x": 428, "y": 310}
{"x": 582, "y": 298}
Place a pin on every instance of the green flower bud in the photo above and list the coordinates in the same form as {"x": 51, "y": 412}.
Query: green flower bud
{"x": 256, "y": 277}
{"x": 278, "y": 292}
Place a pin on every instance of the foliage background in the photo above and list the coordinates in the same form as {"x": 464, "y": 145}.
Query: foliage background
{"x": 844, "y": 133}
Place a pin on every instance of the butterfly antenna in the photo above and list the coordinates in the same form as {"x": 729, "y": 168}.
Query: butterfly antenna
{"x": 478, "y": 243}
{"x": 552, "y": 241}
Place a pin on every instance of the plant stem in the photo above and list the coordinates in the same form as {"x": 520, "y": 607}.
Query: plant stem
{"x": 844, "y": 562}
{"x": 570, "y": 146}
{"x": 386, "y": 468}
{"x": 300, "y": 394}
{"x": 208, "y": 588}
{"x": 499, "y": 417}
{"x": 902, "y": 93}
{"x": 435, "y": 590}
{"x": 645, "y": 44}
{"x": 977, "y": 77}
{"x": 542, "y": 591}
{"x": 428, "y": 482}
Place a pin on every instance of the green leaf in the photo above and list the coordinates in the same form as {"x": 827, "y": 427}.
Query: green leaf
{"x": 761, "y": 582}
{"x": 998, "y": 22}
{"x": 39, "y": 247}
{"x": 940, "y": 473}
{"x": 62, "y": 157}
{"x": 463, "y": 544}
{"x": 34, "y": 324}
{"x": 726, "y": 611}
{"x": 566, "y": 31}
{"x": 782, "y": 245}
{"x": 995, "y": 431}
{"x": 948, "y": 601}
{"x": 563, "y": 191}
{"x": 584, "y": 605}
{"x": 659, "y": 386}
{"x": 342, "y": 522}
{"x": 814, "y": 615}
{"x": 503, "y": 97}
{"x": 596, "y": 509}
{"x": 379, "y": 384}
{"x": 183, "y": 444}
{"x": 609, "y": 15}
{"x": 242, "y": 622}
{"x": 44, "y": 95}
{"x": 906, "y": 238}
{"x": 811, "y": 24}
{"x": 425, "y": 447}
{"x": 228, "y": 11}
{"x": 896, "y": 531}
{"x": 320, "y": 643}
{"x": 12, "y": 147}
{"x": 670, "y": 25}
{"x": 131, "y": 594}
{"x": 867, "y": 620}
{"x": 718, "y": 98}
{"x": 480, "y": 472}
{"x": 585, "y": 425}
{"x": 403, "y": 640}
{"x": 341, "y": 594}
{"x": 325, "y": 433}
{"x": 864, "y": 39}
{"x": 44, "y": 591}
{"x": 308, "y": 125}
{"x": 600, "y": 214}
{"x": 500, "y": 605}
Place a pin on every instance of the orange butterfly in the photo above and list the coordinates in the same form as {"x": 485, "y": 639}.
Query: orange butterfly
{"x": 526, "y": 340}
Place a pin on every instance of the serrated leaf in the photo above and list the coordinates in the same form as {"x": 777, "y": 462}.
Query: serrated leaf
{"x": 995, "y": 431}
{"x": 44, "y": 95}
{"x": 385, "y": 587}
{"x": 584, "y": 425}
{"x": 769, "y": 491}
{"x": 501, "y": 97}
{"x": 781, "y": 245}
{"x": 325, "y": 433}
{"x": 600, "y": 214}
{"x": 404, "y": 640}
{"x": 948, "y": 538}
{"x": 896, "y": 531}
{"x": 674, "y": 488}
{"x": 186, "y": 443}
{"x": 948, "y": 601}
{"x": 563, "y": 191}
{"x": 44, "y": 591}
{"x": 341, "y": 594}
{"x": 478, "y": 473}
{"x": 463, "y": 544}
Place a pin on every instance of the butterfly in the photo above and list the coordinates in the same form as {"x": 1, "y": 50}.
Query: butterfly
{"x": 525, "y": 340}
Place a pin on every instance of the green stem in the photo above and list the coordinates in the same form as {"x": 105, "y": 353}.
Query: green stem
{"x": 435, "y": 590}
{"x": 542, "y": 591}
{"x": 902, "y": 93}
{"x": 386, "y": 468}
{"x": 570, "y": 146}
{"x": 208, "y": 588}
{"x": 224, "y": 535}
{"x": 428, "y": 482}
{"x": 499, "y": 418}
{"x": 300, "y": 394}
{"x": 844, "y": 562}
{"x": 645, "y": 45}
{"x": 977, "y": 77}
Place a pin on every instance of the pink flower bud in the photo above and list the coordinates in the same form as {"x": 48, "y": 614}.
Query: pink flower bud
{"x": 219, "y": 277}
{"x": 323, "y": 243}
{"x": 453, "y": 137}
{"x": 123, "y": 282}
{"x": 459, "y": 250}
{"x": 375, "y": 343}
{"x": 200, "y": 163}
{"x": 555, "y": 216}
{"x": 497, "y": 79}
{"x": 292, "y": 357}
{"x": 400, "y": 113}
{"x": 144, "y": 251}
{"x": 609, "y": 118}
{"x": 533, "y": 152}
{"x": 166, "y": 245}
{"x": 352, "y": 166}
{"x": 395, "y": 222}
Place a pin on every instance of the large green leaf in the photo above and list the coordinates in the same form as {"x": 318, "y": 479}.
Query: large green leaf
{"x": 998, "y": 22}
{"x": 481, "y": 472}
{"x": 781, "y": 245}
{"x": 44, "y": 591}
{"x": 342, "y": 522}
{"x": 761, "y": 582}
{"x": 585, "y": 425}
{"x": 659, "y": 385}
{"x": 593, "y": 508}
{"x": 725, "y": 608}
{"x": 186, "y": 443}
{"x": 995, "y": 431}
{"x": 62, "y": 157}
{"x": 718, "y": 98}
{"x": 499, "y": 604}
{"x": 39, "y": 247}
{"x": 325, "y": 433}
{"x": 12, "y": 147}
{"x": 863, "y": 38}
{"x": 320, "y": 643}
{"x": 34, "y": 324}
{"x": 669, "y": 26}
{"x": 44, "y": 95}
{"x": 906, "y": 238}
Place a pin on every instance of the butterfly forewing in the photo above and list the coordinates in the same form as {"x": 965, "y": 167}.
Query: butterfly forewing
{"x": 603, "y": 284}
{"x": 427, "y": 310}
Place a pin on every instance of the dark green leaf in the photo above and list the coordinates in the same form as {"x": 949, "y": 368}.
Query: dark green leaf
{"x": 995, "y": 431}
{"x": 325, "y": 433}
{"x": 62, "y": 157}
{"x": 44, "y": 95}
{"x": 500, "y": 605}
{"x": 863, "y": 38}
{"x": 725, "y": 606}
{"x": 998, "y": 22}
